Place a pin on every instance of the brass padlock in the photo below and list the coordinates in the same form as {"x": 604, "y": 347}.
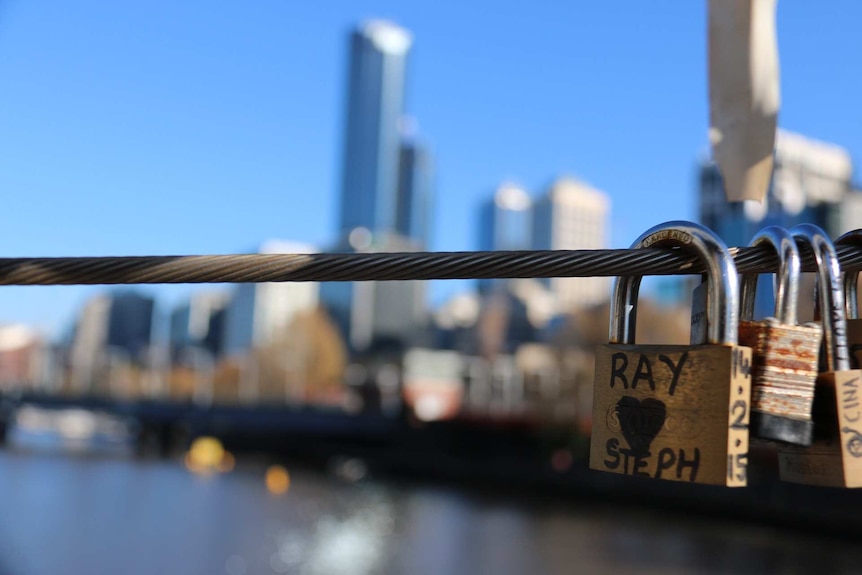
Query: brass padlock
{"x": 677, "y": 412}
{"x": 785, "y": 356}
{"x": 851, "y": 302}
{"x": 835, "y": 457}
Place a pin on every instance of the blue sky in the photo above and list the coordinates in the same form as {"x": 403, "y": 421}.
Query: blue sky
{"x": 133, "y": 128}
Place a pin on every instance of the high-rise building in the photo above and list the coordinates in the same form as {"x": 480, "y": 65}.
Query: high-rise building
{"x": 505, "y": 223}
{"x": 258, "y": 312}
{"x": 810, "y": 183}
{"x": 505, "y": 220}
{"x": 114, "y": 327}
{"x": 88, "y": 341}
{"x": 199, "y": 323}
{"x": 385, "y": 192}
{"x": 372, "y": 143}
{"x": 130, "y": 323}
{"x": 571, "y": 215}
{"x": 376, "y": 314}
{"x": 415, "y": 188}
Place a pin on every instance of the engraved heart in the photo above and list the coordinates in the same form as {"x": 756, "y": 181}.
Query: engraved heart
{"x": 640, "y": 421}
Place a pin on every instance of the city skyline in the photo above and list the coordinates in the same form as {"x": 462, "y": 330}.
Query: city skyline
{"x": 115, "y": 144}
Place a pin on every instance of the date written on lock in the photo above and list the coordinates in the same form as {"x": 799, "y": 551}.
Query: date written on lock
{"x": 665, "y": 420}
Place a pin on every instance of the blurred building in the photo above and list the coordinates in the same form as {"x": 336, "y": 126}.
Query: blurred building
{"x": 115, "y": 326}
{"x": 376, "y": 315}
{"x": 505, "y": 222}
{"x": 455, "y": 322}
{"x": 257, "y": 312}
{"x": 89, "y": 337}
{"x": 810, "y": 183}
{"x": 199, "y": 323}
{"x": 571, "y": 215}
{"x": 497, "y": 322}
{"x": 372, "y": 143}
{"x": 130, "y": 323}
{"x": 386, "y": 189}
{"x": 415, "y": 191}
{"x": 20, "y": 348}
{"x": 504, "y": 324}
{"x": 847, "y": 215}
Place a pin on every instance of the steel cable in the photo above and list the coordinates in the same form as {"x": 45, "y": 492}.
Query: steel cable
{"x": 380, "y": 266}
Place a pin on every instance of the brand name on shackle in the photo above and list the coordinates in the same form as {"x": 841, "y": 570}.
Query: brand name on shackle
{"x": 661, "y": 235}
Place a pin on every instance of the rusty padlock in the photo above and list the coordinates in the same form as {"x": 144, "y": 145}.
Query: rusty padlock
{"x": 835, "y": 457}
{"x": 677, "y": 412}
{"x": 851, "y": 302}
{"x": 785, "y": 356}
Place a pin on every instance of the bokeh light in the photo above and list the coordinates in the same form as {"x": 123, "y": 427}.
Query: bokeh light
{"x": 277, "y": 480}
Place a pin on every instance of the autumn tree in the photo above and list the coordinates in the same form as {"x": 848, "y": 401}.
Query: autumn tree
{"x": 304, "y": 360}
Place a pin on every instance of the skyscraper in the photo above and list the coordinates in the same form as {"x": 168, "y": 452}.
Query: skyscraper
{"x": 375, "y": 107}
{"x": 130, "y": 323}
{"x": 415, "y": 187}
{"x": 258, "y": 312}
{"x": 199, "y": 323}
{"x": 370, "y": 313}
{"x": 571, "y": 215}
{"x": 113, "y": 326}
{"x": 505, "y": 222}
{"x": 385, "y": 191}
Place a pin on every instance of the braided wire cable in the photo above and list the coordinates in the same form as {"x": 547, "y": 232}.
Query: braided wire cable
{"x": 382, "y": 266}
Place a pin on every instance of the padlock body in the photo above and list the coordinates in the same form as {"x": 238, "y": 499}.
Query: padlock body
{"x": 784, "y": 371}
{"x": 835, "y": 457}
{"x": 672, "y": 412}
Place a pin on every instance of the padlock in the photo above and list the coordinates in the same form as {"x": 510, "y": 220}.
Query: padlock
{"x": 676, "y": 412}
{"x": 785, "y": 356}
{"x": 851, "y": 302}
{"x": 835, "y": 456}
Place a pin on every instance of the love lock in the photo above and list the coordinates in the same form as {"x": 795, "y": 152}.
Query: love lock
{"x": 677, "y": 412}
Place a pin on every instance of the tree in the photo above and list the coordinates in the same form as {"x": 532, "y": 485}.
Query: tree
{"x": 306, "y": 360}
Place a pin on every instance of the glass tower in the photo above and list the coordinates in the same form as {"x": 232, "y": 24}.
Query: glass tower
{"x": 415, "y": 185}
{"x": 504, "y": 224}
{"x": 375, "y": 105}
{"x": 505, "y": 220}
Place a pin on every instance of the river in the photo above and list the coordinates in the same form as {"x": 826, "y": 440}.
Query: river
{"x": 90, "y": 506}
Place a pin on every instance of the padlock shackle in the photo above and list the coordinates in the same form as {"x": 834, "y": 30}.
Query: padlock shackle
{"x": 830, "y": 292}
{"x": 786, "y": 281}
{"x": 722, "y": 283}
{"x": 851, "y": 278}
